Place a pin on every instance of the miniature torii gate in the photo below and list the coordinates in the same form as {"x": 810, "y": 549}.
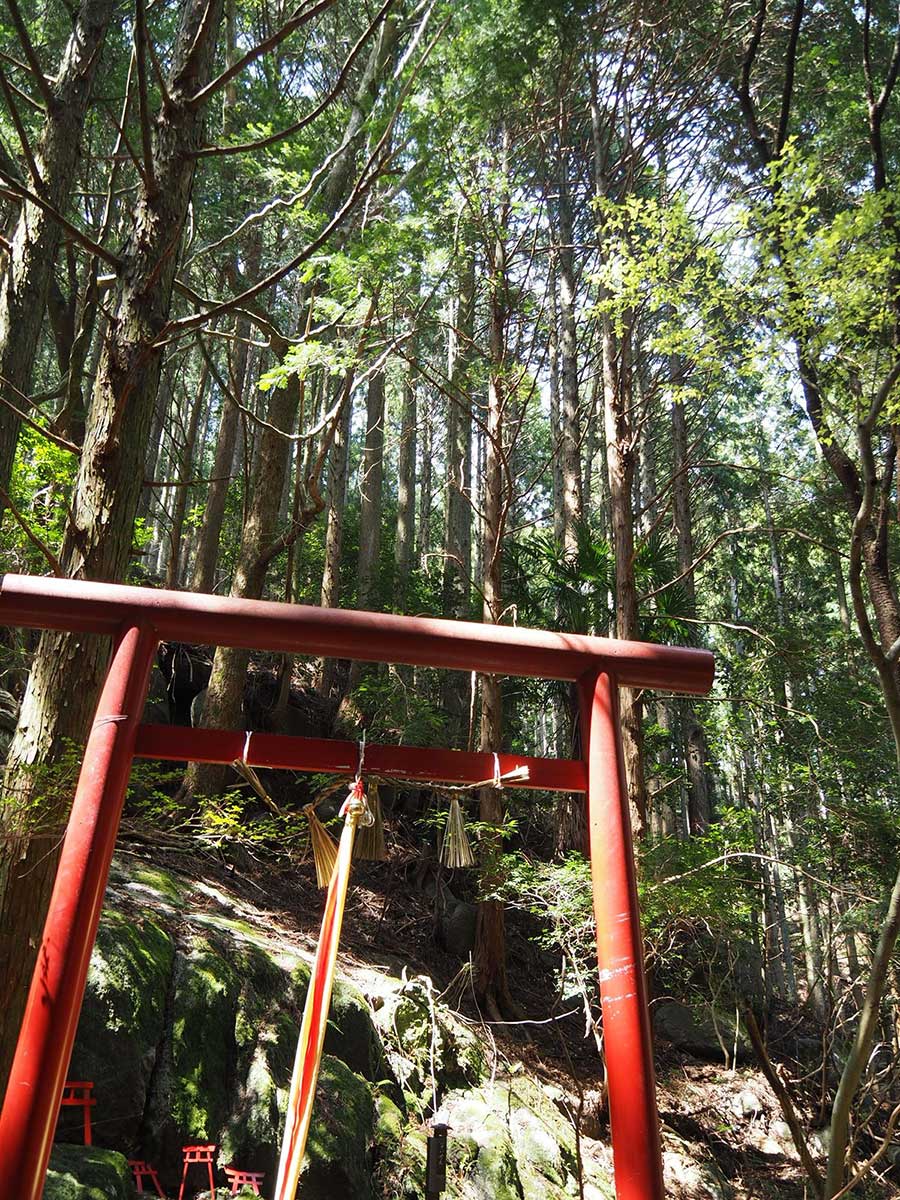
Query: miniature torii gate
{"x": 138, "y": 619}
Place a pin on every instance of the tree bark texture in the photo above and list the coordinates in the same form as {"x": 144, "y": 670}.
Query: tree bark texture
{"x": 694, "y": 735}
{"x": 338, "y": 469}
{"x": 406, "y": 490}
{"x": 179, "y": 508}
{"x": 491, "y": 985}
{"x": 36, "y": 237}
{"x": 621, "y": 458}
{"x": 457, "y": 570}
{"x": 203, "y": 575}
{"x": 371, "y": 486}
{"x": 67, "y": 669}
{"x": 570, "y": 433}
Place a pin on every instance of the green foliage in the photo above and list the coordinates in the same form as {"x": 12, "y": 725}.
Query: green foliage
{"x": 233, "y": 819}
{"x": 573, "y": 589}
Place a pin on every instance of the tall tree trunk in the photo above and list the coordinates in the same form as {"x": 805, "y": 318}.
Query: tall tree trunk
{"x": 154, "y": 444}
{"x": 370, "y": 507}
{"x": 36, "y": 237}
{"x": 490, "y": 929}
{"x": 370, "y": 493}
{"x": 571, "y": 810}
{"x": 592, "y": 442}
{"x": 338, "y": 470}
{"x": 406, "y": 488}
{"x": 559, "y": 515}
{"x": 618, "y": 398}
{"x": 570, "y": 440}
{"x": 807, "y": 898}
{"x": 458, "y": 507}
{"x": 222, "y": 708}
{"x": 203, "y": 574}
{"x": 423, "y": 535}
{"x": 176, "y": 555}
{"x": 620, "y": 456}
{"x": 699, "y": 811}
{"x": 68, "y": 668}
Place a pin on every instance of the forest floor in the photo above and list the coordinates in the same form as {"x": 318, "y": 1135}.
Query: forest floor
{"x": 723, "y": 1131}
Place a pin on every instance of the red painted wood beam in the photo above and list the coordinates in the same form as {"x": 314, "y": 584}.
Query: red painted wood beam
{"x": 178, "y": 743}
{"x": 35, "y": 1086}
{"x": 339, "y": 633}
{"x": 627, "y": 1044}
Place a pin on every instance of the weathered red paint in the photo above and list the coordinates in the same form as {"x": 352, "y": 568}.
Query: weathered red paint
{"x": 633, "y": 1118}
{"x": 140, "y": 618}
{"x": 339, "y": 633}
{"x": 35, "y": 1086}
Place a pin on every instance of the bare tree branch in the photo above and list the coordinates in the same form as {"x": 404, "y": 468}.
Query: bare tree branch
{"x": 262, "y": 143}
{"x": 294, "y": 22}
{"x": 20, "y": 130}
{"x": 140, "y": 50}
{"x": 25, "y": 42}
{"x": 23, "y": 416}
{"x": 72, "y": 230}
{"x": 55, "y": 564}
{"x": 787, "y": 93}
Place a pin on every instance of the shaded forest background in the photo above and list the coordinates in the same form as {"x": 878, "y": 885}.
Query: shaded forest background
{"x": 576, "y": 315}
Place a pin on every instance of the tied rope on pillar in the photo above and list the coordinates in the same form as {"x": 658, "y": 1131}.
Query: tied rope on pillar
{"x": 355, "y": 811}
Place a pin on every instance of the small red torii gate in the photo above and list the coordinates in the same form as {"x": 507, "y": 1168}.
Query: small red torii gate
{"x": 139, "y": 618}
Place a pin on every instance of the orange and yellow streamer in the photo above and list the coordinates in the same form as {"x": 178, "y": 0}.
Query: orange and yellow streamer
{"x": 318, "y": 1002}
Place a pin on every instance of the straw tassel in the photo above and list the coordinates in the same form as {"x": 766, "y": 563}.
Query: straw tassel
{"x": 455, "y": 848}
{"x": 324, "y": 847}
{"x": 369, "y": 842}
{"x": 246, "y": 771}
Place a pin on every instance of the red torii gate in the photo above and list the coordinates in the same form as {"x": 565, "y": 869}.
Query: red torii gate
{"x": 138, "y": 619}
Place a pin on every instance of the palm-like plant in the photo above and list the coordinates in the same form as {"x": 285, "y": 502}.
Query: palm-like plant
{"x": 573, "y": 589}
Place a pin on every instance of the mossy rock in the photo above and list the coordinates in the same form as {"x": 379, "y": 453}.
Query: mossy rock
{"x": 351, "y": 1035}
{"x": 411, "y": 1021}
{"x": 481, "y": 1157}
{"x": 87, "y": 1173}
{"x": 192, "y": 1088}
{"x": 265, "y": 1043}
{"x": 400, "y": 1153}
{"x": 544, "y": 1141}
{"x": 121, "y": 1026}
{"x": 339, "y": 1148}
{"x": 162, "y": 886}
{"x": 508, "y": 1139}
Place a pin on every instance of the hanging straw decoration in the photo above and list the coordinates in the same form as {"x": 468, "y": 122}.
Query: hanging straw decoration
{"x": 370, "y": 836}
{"x": 324, "y": 847}
{"x": 246, "y": 772}
{"x": 455, "y": 848}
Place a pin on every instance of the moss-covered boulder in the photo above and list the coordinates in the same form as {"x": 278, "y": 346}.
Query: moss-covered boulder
{"x": 351, "y": 1035}
{"x": 339, "y": 1149}
{"x": 122, "y": 1024}
{"x": 481, "y": 1156}
{"x": 422, "y": 1036}
{"x": 508, "y": 1141}
{"x": 190, "y": 1026}
{"x": 400, "y": 1152}
{"x": 87, "y": 1173}
{"x": 191, "y": 1096}
{"x": 189, "y": 1032}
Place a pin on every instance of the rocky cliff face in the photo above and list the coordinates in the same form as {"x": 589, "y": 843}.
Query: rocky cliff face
{"x": 188, "y": 1031}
